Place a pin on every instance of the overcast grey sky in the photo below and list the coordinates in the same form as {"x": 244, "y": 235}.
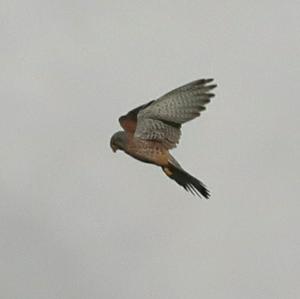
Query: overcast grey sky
{"x": 77, "y": 221}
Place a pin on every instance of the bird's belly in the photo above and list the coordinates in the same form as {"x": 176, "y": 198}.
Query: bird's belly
{"x": 148, "y": 152}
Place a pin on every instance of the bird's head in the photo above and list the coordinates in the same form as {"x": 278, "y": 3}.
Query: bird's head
{"x": 118, "y": 141}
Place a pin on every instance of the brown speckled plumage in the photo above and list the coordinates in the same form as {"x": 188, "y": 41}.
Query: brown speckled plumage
{"x": 151, "y": 130}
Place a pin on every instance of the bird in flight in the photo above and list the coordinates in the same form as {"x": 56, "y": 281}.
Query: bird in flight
{"x": 151, "y": 130}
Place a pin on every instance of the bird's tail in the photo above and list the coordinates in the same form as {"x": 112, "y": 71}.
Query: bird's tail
{"x": 184, "y": 179}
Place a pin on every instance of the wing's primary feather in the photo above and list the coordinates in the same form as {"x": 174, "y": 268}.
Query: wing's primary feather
{"x": 161, "y": 120}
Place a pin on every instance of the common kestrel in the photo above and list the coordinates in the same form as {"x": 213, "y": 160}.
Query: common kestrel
{"x": 151, "y": 130}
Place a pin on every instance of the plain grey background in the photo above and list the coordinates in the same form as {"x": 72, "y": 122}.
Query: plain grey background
{"x": 77, "y": 221}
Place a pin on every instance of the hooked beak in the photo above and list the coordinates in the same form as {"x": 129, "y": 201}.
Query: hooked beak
{"x": 114, "y": 148}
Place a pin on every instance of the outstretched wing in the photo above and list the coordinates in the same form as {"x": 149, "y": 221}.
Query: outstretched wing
{"x": 161, "y": 120}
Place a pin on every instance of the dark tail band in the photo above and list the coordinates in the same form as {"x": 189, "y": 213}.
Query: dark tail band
{"x": 187, "y": 181}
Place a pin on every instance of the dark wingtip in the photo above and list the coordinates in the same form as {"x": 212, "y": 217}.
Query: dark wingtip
{"x": 204, "y": 83}
{"x": 212, "y": 86}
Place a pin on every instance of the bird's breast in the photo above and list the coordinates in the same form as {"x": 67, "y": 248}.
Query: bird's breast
{"x": 147, "y": 151}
